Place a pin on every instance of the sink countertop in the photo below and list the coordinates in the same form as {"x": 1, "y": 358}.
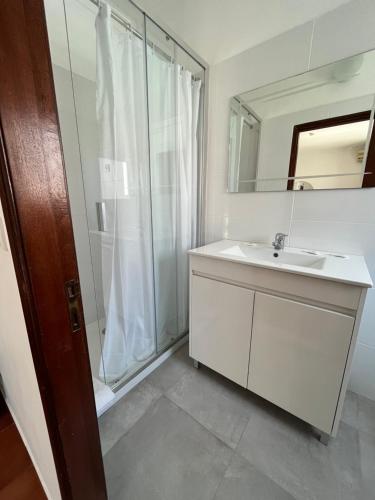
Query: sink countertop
{"x": 344, "y": 268}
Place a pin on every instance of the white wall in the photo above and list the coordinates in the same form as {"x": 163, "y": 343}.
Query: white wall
{"x": 18, "y": 373}
{"x": 342, "y": 220}
{"x": 312, "y": 161}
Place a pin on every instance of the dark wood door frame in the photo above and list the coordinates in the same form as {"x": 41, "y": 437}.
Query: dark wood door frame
{"x": 37, "y": 214}
{"x": 368, "y": 180}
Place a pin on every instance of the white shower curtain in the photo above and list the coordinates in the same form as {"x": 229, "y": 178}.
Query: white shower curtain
{"x": 187, "y": 109}
{"x": 174, "y": 111}
{"x": 127, "y": 246}
{"x": 127, "y": 268}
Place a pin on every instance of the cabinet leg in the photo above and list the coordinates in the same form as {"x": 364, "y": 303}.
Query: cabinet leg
{"x": 324, "y": 438}
{"x": 196, "y": 363}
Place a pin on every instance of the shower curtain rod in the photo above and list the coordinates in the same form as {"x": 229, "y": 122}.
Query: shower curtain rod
{"x": 121, "y": 20}
{"x": 124, "y": 22}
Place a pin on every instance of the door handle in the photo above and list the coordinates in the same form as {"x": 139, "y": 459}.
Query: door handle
{"x": 101, "y": 216}
{"x": 73, "y": 293}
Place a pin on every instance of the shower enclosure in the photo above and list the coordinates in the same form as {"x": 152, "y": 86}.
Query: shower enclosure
{"x": 130, "y": 103}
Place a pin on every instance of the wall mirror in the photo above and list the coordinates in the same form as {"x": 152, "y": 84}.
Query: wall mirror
{"x": 310, "y": 131}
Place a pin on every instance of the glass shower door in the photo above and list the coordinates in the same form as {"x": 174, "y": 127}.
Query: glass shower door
{"x": 75, "y": 87}
{"x": 127, "y": 269}
{"x": 174, "y": 100}
{"x": 100, "y": 75}
{"x": 130, "y": 113}
{"x": 116, "y": 183}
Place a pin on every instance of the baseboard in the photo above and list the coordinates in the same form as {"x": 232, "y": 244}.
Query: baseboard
{"x": 120, "y": 393}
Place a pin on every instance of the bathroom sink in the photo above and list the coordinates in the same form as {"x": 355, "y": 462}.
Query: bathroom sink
{"x": 308, "y": 262}
{"x": 292, "y": 257}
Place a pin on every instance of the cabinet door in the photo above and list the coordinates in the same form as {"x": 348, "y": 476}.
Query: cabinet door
{"x": 298, "y": 355}
{"x": 220, "y": 327}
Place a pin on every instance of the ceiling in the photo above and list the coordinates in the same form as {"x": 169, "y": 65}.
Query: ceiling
{"x": 339, "y": 82}
{"x": 350, "y": 134}
{"x": 214, "y": 29}
{"x": 218, "y": 29}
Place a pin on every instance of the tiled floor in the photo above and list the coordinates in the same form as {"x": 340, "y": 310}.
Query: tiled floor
{"x": 191, "y": 434}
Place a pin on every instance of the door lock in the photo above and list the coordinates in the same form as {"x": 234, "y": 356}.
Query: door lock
{"x": 73, "y": 293}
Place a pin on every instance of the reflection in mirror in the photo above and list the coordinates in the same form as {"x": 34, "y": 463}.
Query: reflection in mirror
{"x": 243, "y": 148}
{"x": 311, "y": 131}
{"x": 327, "y": 154}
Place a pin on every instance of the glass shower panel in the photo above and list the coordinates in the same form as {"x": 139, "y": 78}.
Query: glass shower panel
{"x": 115, "y": 169}
{"x": 78, "y": 110}
{"x": 174, "y": 90}
{"x": 161, "y": 99}
{"x": 130, "y": 110}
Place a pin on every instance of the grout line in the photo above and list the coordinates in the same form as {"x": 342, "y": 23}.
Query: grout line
{"x": 174, "y": 403}
{"x": 223, "y": 475}
{"x": 152, "y": 404}
{"x": 204, "y": 427}
{"x": 143, "y": 373}
{"x": 325, "y": 221}
{"x": 149, "y": 408}
{"x": 291, "y": 219}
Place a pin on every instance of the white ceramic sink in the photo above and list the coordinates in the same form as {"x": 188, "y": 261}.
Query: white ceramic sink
{"x": 289, "y": 256}
{"x": 326, "y": 265}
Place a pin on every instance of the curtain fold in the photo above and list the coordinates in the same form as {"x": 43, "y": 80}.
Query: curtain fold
{"x": 144, "y": 252}
{"x": 174, "y": 99}
{"x": 187, "y": 109}
{"x": 162, "y": 115}
{"x": 127, "y": 267}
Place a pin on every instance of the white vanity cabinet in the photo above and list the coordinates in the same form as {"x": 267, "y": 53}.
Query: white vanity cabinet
{"x": 221, "y": 326}
{"x": 286, "y": 336}
{"x": 297, "y": 357}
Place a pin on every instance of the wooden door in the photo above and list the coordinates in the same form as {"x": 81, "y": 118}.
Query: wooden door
{"x": 297, "y": 358}
{"x": 36, "y": 207}
{"x": 220, "y": 327}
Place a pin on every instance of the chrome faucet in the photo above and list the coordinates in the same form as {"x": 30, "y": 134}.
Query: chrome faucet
{"x": 279, "y": 242}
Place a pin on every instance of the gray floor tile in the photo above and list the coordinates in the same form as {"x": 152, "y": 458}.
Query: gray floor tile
{"x": 366, "y": 415}
{"x": 167, "y": 455}
{"x": 121, "y": 417}
{"x": 367, "y": 452}
{"x": 219, "y": 405}
{"x": 350, "y": 409}
{"x": 171, "y": 371}
{"x": 286, "y": 450}
{"x": 160, "y": 451}
{"x": 359, "y": 412}
{"x": 343, "y": 461}
{"x": 242, "y": 481}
